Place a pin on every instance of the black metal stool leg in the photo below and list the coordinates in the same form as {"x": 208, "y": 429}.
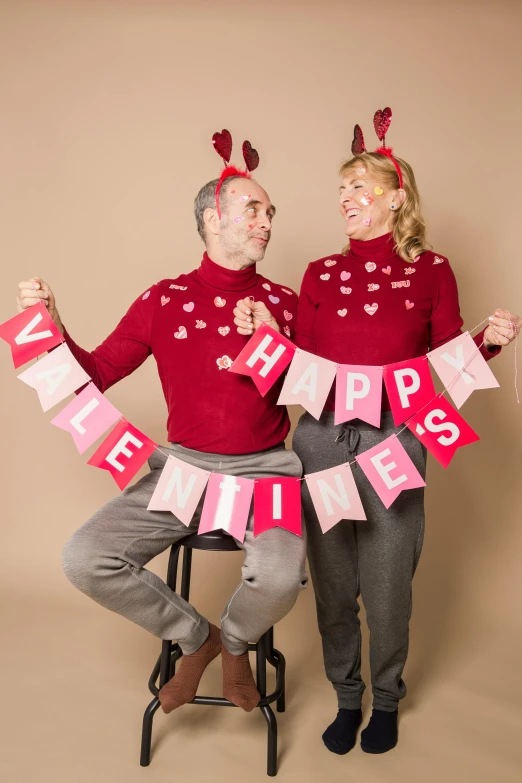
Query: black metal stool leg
{"x": 261, "y": 658}
{"x": 146, "y": 732}
{"x": 277, "y": 660}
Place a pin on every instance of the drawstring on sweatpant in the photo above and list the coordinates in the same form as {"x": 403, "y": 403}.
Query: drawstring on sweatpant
{"x": 350, "y": 436}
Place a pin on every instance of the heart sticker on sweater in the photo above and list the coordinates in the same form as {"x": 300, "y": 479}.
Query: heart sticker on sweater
{"x": 288, "y": 315}
{"x": 274, "y": 299}
{"x": 267, "y": 286}
{"x": 286, "y": 330}
{"x": 181, "y": 333}
{"x": 287, "y": 291}
{"x": 325, "y": 276}
{"x": 410, "y": 270}
{"x": 146, "y": 295}
{"x": 409, "y": 304}
{"x": 200, "y": 324}
{"x": 345, "y": 275}
{"x": 342, "y": 313}
{"x": 165, "y": 300}
{"x": 219, "y": 302}
{"x": 438, "y": 260}
{"x": 370, "y": 266}
{"x": 330, "y": 262}
{"x": 387, "y": 270}
{"x": 188, "y": 307}
{"x": 224, "y": 362}
{"x": 371, "y": 309}
{"x": 178, "y": 287}
{"x": 373, "y": 286}
{"x": 224, "y": 330}
{"x": 345, "y": 290}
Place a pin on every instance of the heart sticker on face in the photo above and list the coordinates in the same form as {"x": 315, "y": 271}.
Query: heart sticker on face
{"x": 267, "y": 286}
{"x": 178, "y": 287}
{"x": 165, "y": 300}
{"x": 224, "y": 362}
{"x": 370, "y": 266}
{"x": 181, "y": 333}
{"x": 219, "y": 302}
{"x": 387, "y": 270}
{"x": 274, "y": 299}
{"x": 286, "y": 330}
{"x": 330, "y": 262}
{"x": 371, "y": 309}
{"x": 342, "y": 313}
{"x": 146, "y": 295}
{"x": 200, "y": 324}
{"x": 287, "y": 291}
{"x": 438, "y": 260}
{"x": 378, "y": 191}
{"x": 188, "y": 307}
{"x": 238, "y": 219}
{"x": 325, "y": 277}
{"x": 288, "y": 315}
{"x": 409, "y": 304}
{"x": 367, "y": 221}
{"x": 224, "y": 330}
{"x": 345, "y": 275}
{"x": 345, "y": 290}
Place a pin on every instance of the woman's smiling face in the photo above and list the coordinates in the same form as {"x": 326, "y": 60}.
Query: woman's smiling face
{"x": 365, "y": 204}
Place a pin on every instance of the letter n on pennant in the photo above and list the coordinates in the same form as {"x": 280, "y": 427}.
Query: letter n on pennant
{"x": 179, "y": 489}
{"x": 335, "y": 496}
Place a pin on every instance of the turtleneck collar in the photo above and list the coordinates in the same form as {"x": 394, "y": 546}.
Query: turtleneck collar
{"x": 217, "y": 276}
{"x": 378, "y": 249}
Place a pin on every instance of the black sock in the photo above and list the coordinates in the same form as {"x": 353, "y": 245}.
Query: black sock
{"x": 340, "y": 735}
{"x": 381, "y": 733}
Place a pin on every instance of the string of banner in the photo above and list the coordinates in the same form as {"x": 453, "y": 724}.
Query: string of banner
{"x": 413, "y": 401}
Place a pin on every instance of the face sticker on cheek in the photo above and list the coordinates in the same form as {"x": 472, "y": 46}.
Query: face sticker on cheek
{"x": 245, "y": 198}
{"x": 238, "y": 219}
{"x": 367, "y": 201}
{"x": 251, "y": 226}
{"x": 378, "y": 191}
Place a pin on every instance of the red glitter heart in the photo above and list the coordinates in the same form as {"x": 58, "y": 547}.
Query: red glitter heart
{"x": 223, "y": 144}
{"x": 358, "y": 141}
{"x": 381, "y": 122}
{"x": 251, "y": 156}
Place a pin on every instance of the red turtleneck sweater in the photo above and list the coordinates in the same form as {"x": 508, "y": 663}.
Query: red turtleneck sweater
{"x": 187, "y": 323}
{"x": 372, "y": 307}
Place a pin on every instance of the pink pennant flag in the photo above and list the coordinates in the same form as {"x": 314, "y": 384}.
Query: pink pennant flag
{"x": 55, "y": 376}
{"x": 410, "y": 386}
{"x": 123, "y": 452}
{"x": 227, "y": 505}
{"x": 277, "y": 503}
{"x": 308, "y": 382}
{"x": 266, "y": 355}
{"x": 335, "y": 496}
{"x": 442, "y": 430}
{"x": 87, "y": 417}
{"x": 448, "y": 362}
{"x": 30, "y": 334}
{"x": 389, "y": 469}
{"x": 358, "y": 394}
{"x": 179, "y": 489}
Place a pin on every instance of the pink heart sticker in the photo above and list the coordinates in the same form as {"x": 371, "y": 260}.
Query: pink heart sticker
{"x": 181, "y": 333}
{"x": 325, "y": 276}
{"x": 367, "y": 221}
{"x": 330, "y": 262}
{"x": 146, "y": 295}
{"x": 288, "y": 315}
{"x": 286, "y": 330}
{"x": 345, "y": 290}
{"x": 342, "y": 313}
{"x": 224, "y": 330}
{"x": 188, "y": 307}
{"x": 438, "y": 260}
{"x": 345, "y": 275}
{"x": 370, "y": 266}
{"x": 274, "y": 299}
{"x": 219, "y": 302}
{"x": 409, "y": 304}
{"x": 371, "y": 309}
{"x": 387, "y": 270}
{"x": 165, "y": 300}
{"x": 267, "y": 286}
{"x": 224, "y": 362}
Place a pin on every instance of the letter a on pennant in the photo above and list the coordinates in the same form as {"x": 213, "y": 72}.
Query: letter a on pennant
{"x": 30, "y": 334}
{"x": 449, "y": 362}
{"x": 265, "y": 356}
{"x": 227, "y": 505}
{"x": 179, "y": 489}
{"x": 410, "y": 386}
{"x": 87, "y": 417}
{"x": 123, "y": 452}
{"x": 442, "y": 430}
{"x": 308, "y": 382}
{"x": 55, "y": 376}
{"x": 277, "y": 503}
{"x": 335, "y": 496}
{"x": 389, "y": 469}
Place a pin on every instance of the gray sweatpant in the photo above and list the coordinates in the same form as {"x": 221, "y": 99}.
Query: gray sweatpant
{"x": 105, "y": 558}
{"x": 375, "y": 559}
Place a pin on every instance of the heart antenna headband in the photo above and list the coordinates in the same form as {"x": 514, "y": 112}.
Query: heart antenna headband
{"x": 223, "y": 145}
{"x": 381, "y": 123}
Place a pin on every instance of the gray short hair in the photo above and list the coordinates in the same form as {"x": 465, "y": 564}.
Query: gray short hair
{"x": 206, "y": 199}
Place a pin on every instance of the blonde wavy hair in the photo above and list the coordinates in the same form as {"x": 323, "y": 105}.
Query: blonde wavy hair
{"x": 407, "y": 222}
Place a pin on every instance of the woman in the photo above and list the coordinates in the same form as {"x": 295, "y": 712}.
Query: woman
{"x": 350, "y": 313}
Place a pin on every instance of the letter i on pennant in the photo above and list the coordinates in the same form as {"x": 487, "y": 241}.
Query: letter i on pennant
{"x": 227, "y": 505}
{"x": 277, "y": 503}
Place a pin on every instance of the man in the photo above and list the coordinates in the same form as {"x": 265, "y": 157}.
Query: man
{"x": 217, "y": 421}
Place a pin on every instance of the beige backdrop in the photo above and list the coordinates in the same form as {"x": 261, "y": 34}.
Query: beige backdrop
{"x": 107, "y": 113}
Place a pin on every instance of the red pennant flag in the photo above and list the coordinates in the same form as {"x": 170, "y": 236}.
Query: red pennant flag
{"x": 410, "y": 386}
{"x": 442, "y": 430}
{"x": 30, "y": 334}
{"x": 266, "y": 355}
{"x": 277, "y": 503}
{"x": 123, "y": 452}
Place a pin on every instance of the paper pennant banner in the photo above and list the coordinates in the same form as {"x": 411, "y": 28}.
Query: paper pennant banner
{"x": 87, "y": 417}
{"x": 358, "y": 394}
{"x": 30, "y": 334}
{"x": 227, "y": 505}
{"x": 266, "y": 355}
{"x": 410, "y": 386}
{"x": 55, "y": 376}
{"x": 179, "y": 489}
{"x": 123, "y": 452}
{"x": 277, "y": 503}
{"x": 442, "y": 430}
{"x": 389, "y": 469}
{"x": 335, "y": 496}
{"x": 308, "y": 382}
{"x": 451, "y": 357}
